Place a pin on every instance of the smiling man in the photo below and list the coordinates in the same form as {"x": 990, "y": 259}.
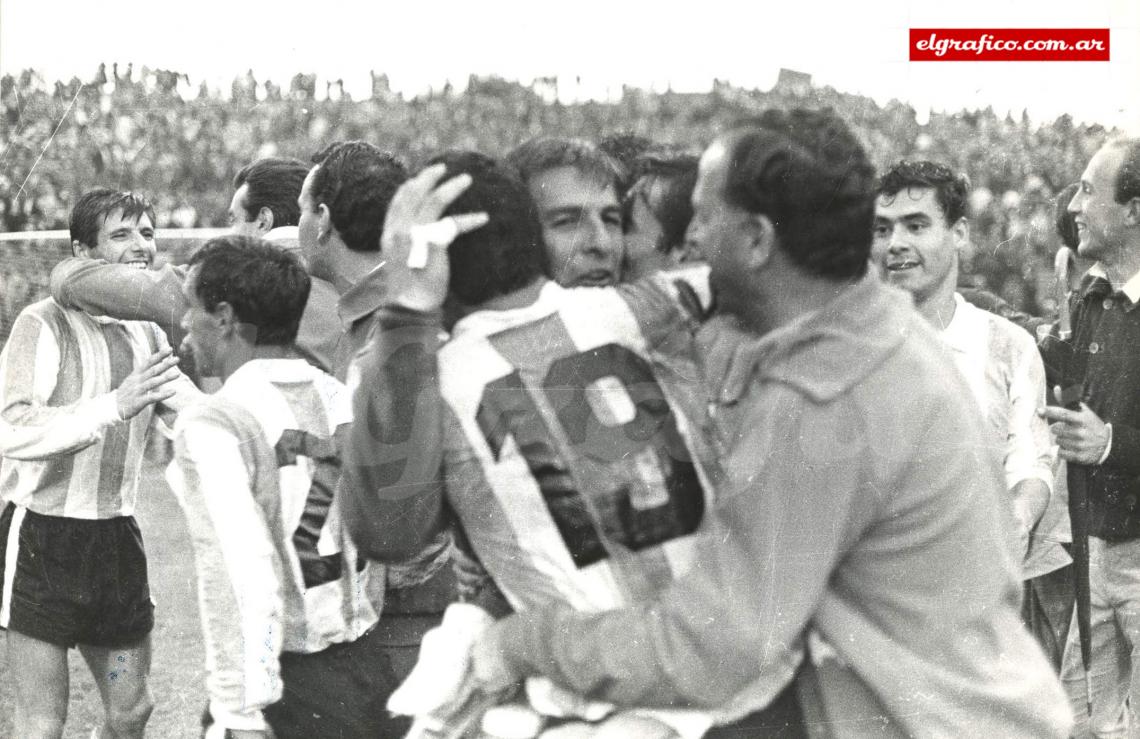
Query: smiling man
{"x": 574, "y": 185}
{"x": 77, "y": 397}
{"x": 920, "y": 228}
{"x": 1101, "y": 439}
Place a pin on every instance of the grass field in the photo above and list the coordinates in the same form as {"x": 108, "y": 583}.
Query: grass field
{"x": 178, "y": 665}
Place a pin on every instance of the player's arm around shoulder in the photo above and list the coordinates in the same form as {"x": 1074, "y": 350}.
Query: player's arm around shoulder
{"x": 118, "y": 291}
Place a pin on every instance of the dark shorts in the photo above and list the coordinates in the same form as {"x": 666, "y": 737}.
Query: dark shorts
{"x": 69, "y": 581}
{"x": 340, "y": 693}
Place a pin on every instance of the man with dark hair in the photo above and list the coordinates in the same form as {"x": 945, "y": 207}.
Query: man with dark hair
{"x": 265, "y": 206}
{"x": 920, "y": 228}
{"x": 265, "y": 199}
{"x": 77, "y": 401}
{"x": 574, "y": 185}
{"x": 1099, "y": 436}
{"x": 343, "y": 204}
{"x": 856, "y": 516}
{"x": 657, "y": 211}
{"x": 288, "y": 622}
{"x": 506, "y": 254}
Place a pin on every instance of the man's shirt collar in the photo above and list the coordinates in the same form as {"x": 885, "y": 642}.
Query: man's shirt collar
{"x": 1099, "y": 284}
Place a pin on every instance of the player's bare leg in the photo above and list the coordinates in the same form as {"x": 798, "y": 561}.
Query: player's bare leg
{"x": 39, "y": 672}
{"x": 122, "y": 676}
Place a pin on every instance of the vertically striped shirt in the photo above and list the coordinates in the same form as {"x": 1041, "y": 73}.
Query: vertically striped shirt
{"x": 575, "y": 457}
{"x": 255, "y": 469}
{"x": 65, "y": 451}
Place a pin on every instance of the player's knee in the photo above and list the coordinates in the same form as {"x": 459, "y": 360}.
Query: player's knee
{"x": 130, "y": 720}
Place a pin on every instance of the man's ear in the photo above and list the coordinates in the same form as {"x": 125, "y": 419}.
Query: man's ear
{"x": 760, "y": 236}
{"x": 230, "y": 327}
{"x": 324, "y": 222}
{"x": 1132, "y": 212}
{"x": 961, "y": 232}
{"x": 79, "y": 250}
{"x": 265, "y": 220}
{"x": 225, "y": 318}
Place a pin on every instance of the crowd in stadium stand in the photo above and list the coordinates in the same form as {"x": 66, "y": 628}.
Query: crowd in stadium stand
{"x": 138, "y": 128}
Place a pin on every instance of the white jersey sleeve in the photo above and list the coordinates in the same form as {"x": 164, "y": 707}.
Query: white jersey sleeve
{"x": 257, "y": 467}
{"x": 239, "y": 573}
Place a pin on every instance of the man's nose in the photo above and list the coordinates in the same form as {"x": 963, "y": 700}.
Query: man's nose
{"x": 897, "y": 240}
{"x": 597, "y": 238}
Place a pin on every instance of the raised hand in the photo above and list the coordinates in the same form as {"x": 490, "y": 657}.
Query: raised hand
{"x": 148, "y": 384}
{"x": 416, "y": 238}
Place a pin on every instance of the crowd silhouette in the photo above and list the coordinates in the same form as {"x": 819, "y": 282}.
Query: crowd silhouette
{"x": 152, "y": 130}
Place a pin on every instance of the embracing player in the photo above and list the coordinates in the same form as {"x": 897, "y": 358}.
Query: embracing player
{"x": 573, "y": 450}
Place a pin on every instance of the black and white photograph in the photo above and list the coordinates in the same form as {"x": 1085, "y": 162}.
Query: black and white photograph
{"x": 504, "y": 370}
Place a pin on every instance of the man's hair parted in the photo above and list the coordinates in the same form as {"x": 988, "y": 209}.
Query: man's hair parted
{"x": 266, "y": 287}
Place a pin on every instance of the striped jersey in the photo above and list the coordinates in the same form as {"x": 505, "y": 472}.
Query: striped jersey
{"x": 65, "y": 451}
{"x": 256, "y": 466}
{"x": 575, "y": 454}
